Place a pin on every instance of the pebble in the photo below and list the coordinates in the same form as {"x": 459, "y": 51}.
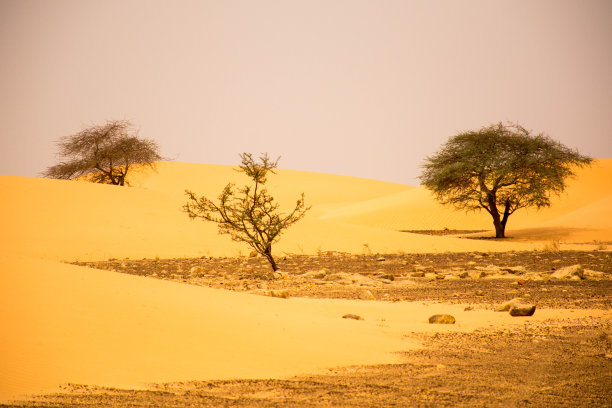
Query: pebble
{"x": 352, "y": 316}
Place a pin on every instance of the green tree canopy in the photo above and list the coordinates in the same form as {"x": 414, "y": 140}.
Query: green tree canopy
{"x": 500, "y": 168}
{"x": 104, "y": 152}
{"x": 249, "y": 214}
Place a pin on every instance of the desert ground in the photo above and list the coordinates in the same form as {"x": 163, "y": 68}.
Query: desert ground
{"x": 111, "y": 296}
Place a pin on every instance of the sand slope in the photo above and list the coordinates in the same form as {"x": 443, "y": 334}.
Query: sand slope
{"x": 415, "y": 209}
{"x": 70, "y": 220}
{"x": 67, "y": 324}
{"x": 61, "y": 323}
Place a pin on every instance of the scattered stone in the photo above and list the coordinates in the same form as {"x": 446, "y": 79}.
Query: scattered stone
{"x": 463, "y": 275}
{"x": 594, "y": 274}
{"x": 515, "y": 270}
{"x": 522, "y": 310}
{"x": 521, "y": 282}
{"x": 440, "y": 277}
{"x": 476, "y": 274}
{"x": 479, "y": 293}
{"x": 495, "y": 269}
{"x": 279, "y": 294}
{"x": 388, "y": 277}
{"x": 352, "y": 316}
{"x": 280, "y": 275}
{"x": 442, "y": 319}
{"x": 418, "y": 274}
{"x": 508, "y": 305}
{"x": 568, "y": 272}
{"x": 367, "y": 295}
{"x": 468, "y": 308}
{"x": 196, "y": 270}
{"x": 253, "y": 254}
{"x": 381, "y": 259}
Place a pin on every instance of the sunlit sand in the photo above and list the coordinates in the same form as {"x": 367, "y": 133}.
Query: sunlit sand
{"x": 67, "y": 324}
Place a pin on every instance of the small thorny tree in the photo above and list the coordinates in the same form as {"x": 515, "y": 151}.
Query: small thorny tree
{"x": 104, "y": 153}
{"x": 249, "y": 214}
{"x": 500, "y": 168}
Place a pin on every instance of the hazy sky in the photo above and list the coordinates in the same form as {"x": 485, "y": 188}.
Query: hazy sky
{"x": 361, "y": 88}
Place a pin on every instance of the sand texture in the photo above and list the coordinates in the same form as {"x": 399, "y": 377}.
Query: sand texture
{"x": 64, "y": 323}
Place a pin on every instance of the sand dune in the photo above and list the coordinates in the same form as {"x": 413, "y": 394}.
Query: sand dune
{"x": 62, "y": 323}
{"x": 417, "y": 209}
{"x": 71, "y": 220}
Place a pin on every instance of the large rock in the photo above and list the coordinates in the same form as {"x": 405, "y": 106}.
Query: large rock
{"x": 515, "y": 270}
{"x": 569, "y": 272}
{"x": 522, "y": 310}
{"x": 508, "y": 305}
{"x": 442, "y": 319}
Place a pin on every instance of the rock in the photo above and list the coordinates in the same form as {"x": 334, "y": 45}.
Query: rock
{"x": 515, "y": 270}
{"x": 279, "y": 294}
{"x": 253, "y": 254}
{"x": 430, "y": 276}
{"x": 316, "y": 274}
{"x": 508, "y": 305}
{"x": 367, "y": 295}
{"x": 418, "y": 274}
{"x": 196, "y": 270}
{"x": 440, "y": 276}
{"x": 479, "y": 293}
{"x": 594, "y": 274}
{"x": 494, "y": 269}
{"x": 442, "y": 319}
{"x": 352, "y": 316}
{"x": 464, "y": 275}
{"x": 476, "y": 274}
{"x": 381, "y": 259}
{"x": 388, "y": 277}
{"x": 520, "y": 282}
{"x": 420, "y": 268}
{"x": 522, "y": 310}
{"x": 568, "y": 272}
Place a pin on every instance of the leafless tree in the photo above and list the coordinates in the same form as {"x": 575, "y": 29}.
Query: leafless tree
{"x": 250, "y": 214}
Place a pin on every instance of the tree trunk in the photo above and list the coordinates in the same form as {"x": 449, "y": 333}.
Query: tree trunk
{"x": 268, "y": 254}
{"x": 500, "y": 228}
{"x": 504, "y": 220}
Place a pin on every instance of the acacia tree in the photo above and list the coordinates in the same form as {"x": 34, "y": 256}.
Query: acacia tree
{"x": 249, "y": 214}
{"x": 105, "y": 153}
{"x": 500, "y": 168}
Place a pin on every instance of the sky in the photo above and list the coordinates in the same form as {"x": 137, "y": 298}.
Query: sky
{"x": 351, "y": 87}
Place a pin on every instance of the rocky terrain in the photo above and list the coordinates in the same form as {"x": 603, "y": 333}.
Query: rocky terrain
{"x": 563, "y": 362}
{"x": 479, "y": 278}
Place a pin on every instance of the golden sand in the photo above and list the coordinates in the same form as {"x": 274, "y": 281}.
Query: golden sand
{"x": 62, "y": 323}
